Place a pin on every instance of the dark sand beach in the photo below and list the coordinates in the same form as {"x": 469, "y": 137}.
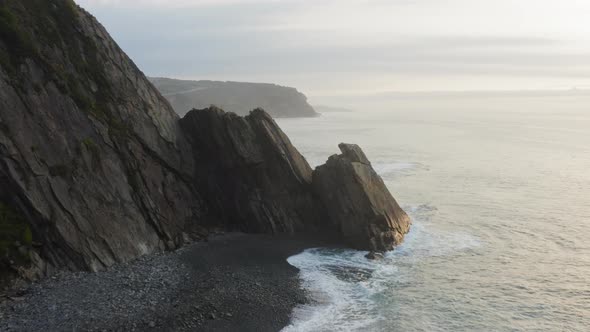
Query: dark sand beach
{"x": 233, "y": 282}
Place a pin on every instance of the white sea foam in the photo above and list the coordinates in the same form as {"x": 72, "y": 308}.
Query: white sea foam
{"x": 340, "y": 284}
{"x": 345, "y": 287}
{"x": 507, "y": 249}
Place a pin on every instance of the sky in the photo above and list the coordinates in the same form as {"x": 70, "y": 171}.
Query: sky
{"x": 358, "y": 47}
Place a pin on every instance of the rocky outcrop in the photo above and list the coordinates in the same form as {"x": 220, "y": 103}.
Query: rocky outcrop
{"x": 96, "y": 168}
{"x": 250, "y": 173}
{"x": 90, "y": 153}
{"x": 255, "y": 179}
{"x": 359, "y": 204}
{"x": 237, "y": 97}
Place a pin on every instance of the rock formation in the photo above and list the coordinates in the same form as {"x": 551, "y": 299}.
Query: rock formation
{"x": 250, "y": 173}
{"x": 358, "y": 202}
{"x": 96, "y": 168}
{"x": 90, "y": 153}
{"x": 237, "y": 97}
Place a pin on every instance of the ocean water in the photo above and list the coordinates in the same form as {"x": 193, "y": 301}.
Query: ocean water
{"x": 500, "y": 202}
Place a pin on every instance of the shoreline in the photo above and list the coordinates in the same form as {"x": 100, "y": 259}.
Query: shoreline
{"x": 232, "y": 282}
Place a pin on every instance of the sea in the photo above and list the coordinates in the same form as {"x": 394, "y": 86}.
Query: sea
{"x": 498, "y": 189}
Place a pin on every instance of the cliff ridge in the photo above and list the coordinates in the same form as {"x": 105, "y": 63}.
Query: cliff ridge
{"x": 237, "y": 97}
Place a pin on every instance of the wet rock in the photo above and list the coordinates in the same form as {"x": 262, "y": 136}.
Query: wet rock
{"x": 374, "y": 255}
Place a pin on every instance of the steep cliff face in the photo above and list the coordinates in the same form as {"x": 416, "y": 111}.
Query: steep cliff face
{"x": 96, "y": 168}
{"x": 238, "y": 97}
{"x": 255, "y": 180}
{"x": 251, "y": 174}
{"x": 90, "y": 153}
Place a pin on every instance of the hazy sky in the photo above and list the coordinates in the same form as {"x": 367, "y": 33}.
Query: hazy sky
{"x": 329, "y": 47}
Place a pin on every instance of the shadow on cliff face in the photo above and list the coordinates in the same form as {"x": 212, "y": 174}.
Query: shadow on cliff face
{"x": 20, "y": 251}
{"x": 252, "y": 177}
{"x": 16, "y": 240}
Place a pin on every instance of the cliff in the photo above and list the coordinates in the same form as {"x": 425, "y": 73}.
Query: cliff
{"x": 254, "y": 178}
{"x": 96, "y": 168}
{"x": 91, "y": 154}
{"x": 236, "y": 97}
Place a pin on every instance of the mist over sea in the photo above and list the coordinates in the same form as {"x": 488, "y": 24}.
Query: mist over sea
{"x": 499, "y": 192}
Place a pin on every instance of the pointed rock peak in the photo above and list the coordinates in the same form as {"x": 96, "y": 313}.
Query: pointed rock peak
{"x": 359, "y": 204}
{"x": 260, "y": 113}
{"x": 353, "y": 153}
{"x": 251, "y": 174}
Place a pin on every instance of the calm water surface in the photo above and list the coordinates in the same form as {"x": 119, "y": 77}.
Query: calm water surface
{"x": 500, "y": 202}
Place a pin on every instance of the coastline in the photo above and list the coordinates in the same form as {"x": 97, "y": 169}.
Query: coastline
{"x": 232, "y": 282}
